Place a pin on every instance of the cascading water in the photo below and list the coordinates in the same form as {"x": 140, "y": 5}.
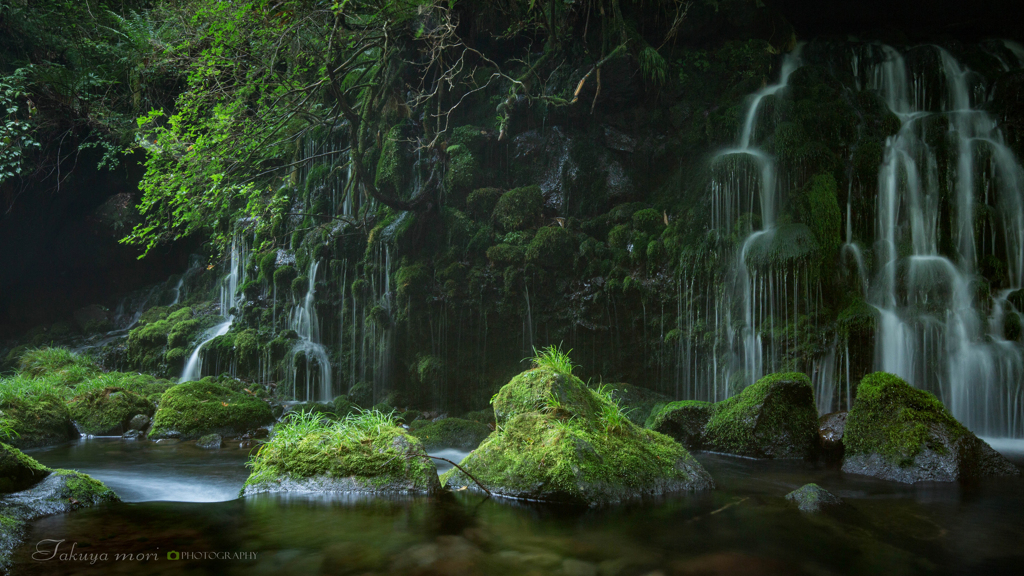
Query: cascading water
{"x": 229, "y": 300}
{"x": 936, "y": 329}
{"x": 304, "y": 321}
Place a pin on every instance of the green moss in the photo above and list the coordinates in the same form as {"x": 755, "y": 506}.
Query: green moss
{"x": 300, "y": 285}
{"x": 788, "y": 244}
{"x": 452, "y": 433}
{"x": 107, "y": 411}
{"x": 552, "y": 247}
{"x": 543, "y": 389}
{"x": 896, "y": 420}
{"x": 413, "y": 280}
{"x": 82, "y": 488}
{"x": 772, "y": 418}
{"x": 194, "y": 409}
{"x": 506, "y": 254}
{"x": 268, "y": 264}
{"x": 519, "y": 208}
{"x": 284, "y": 276}
{"x": 391, "y": 173}
{"x": 481, "y": 202}
{"x": 648, "y": 220}
{"x": 368, "y": 451}
{"x": 182, "y": 333}
{"x": 825, "y": 217}
{"x": 551, "y": 444}
{"x": 343, "y": 406}
{"x": 361, "y": 394}
{"x": 18, "y": 471}
{"x": 683, "y": 420}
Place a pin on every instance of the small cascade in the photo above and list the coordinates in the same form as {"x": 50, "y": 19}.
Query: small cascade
{"x": 308, "y": 350}
{"x": 229, "y": 300}
{"x": 936, "y": 330}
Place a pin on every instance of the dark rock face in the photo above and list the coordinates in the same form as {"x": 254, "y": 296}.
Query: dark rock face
{"x": 773, "y": 418}
{"x": 813, "y": 498}
{"x": 139, "y": 422}
{"x": 830, "y": 436}
{"x": 898, "y": 433}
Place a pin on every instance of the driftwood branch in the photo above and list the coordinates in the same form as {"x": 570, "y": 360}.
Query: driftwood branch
{"x": 461, "y": 469}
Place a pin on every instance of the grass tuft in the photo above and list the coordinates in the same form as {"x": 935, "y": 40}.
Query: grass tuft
{"x": 553, "y": 359}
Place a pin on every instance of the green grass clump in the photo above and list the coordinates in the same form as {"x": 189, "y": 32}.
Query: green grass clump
{"x": 896, "y": 420}
{"x": 368, "y": 445}
{"x": 59, "y": 364}
{"x": 554, "y": 359}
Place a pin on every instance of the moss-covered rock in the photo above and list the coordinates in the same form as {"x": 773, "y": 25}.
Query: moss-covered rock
{"x": 194, "y": 409}
{"x": 683, "y": 420}
{"x": 518, "y": 208}
{"x": 452, "y": 433}
{"x": 108, "y": 411}
{"x": 361, "y": 394}
{"x": 772, "y": 418}
{"x": 368, "y": 452}
{"x": 38, "y": 420}
{"x": 18, "y": 471}
{"x": 558, "y": 441}
{"x": 897, "y": 432}
{"x": 813, "y": 498}
{"x": 552, "y": 247}
{"x": 638, "y": 402}
{"x": 61, "y": 491}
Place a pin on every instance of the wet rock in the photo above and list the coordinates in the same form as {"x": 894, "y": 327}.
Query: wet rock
{"x": 813, "y": 498}
{"x": 194, "y": 409}
{"x": 772, "y": 418}
{"x": 108, "y": 412}
{"x": 451, "y": 433}
{"x": 210, "y": 442}
{"x": 139, "y": 422}
{"x": 559, "y": 441}
{"x": 18, "y": 471}
{"x": 897, "y": 432}
{"x": 132, "y": 435}
{"x": 830, "y": 430}
{"x": 60, "y": 492}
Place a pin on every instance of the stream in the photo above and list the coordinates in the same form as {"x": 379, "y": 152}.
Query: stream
{"x": 182, "y": 500}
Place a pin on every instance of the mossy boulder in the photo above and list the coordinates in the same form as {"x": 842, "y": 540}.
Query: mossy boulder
{"x": 813, "y": 498}
{"x": 366, "y": 453}
{"x": 637, "y": 401}
{"x": 559, "y": 441}
{"x": 18, "y": 471}
{"x": 38, "y": 420}
{"x": 519, "y": 208}
{"x": 108, "y": 411}
{"x": 683, "y": 420}
{"x": 61, "y": 491}
{"x": 361, "y": 394}
{"x": 897, "y": 432}
{"x": 772, "y": 418}
{"x": 194, "y": 409}
{"x": 452, "y": 433}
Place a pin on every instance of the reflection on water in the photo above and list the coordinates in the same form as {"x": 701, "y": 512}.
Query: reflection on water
{"x": 744, "y": 527}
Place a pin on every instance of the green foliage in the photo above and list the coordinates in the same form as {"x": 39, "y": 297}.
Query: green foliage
{"x": 825, "y": 217}
{"x": 452, "y": 433}
{"x": 552, "y": 358}
{"x": 59, "y": 364}
{"x": 552, "y": 247}
{"x": 16, "y": 137}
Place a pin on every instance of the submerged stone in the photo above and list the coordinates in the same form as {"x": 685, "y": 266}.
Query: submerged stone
{"x": 813, "y": 498}
{"x": 772, "y": 418}
{"x": 559, "y": 441}
{"x": 108, "y": 411}
{"x": 210, "y": 442}
{"x": 452, "y": 433}
{"x": 899, "y": 433}
{"x": 194, "y": 409}
{"x": 363, "y": 453}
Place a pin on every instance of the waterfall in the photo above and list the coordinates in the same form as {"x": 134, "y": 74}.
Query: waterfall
{"x": 304, "y": 321}
{"x": 936, "y": 330}
{"x": 229, "y": 301}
